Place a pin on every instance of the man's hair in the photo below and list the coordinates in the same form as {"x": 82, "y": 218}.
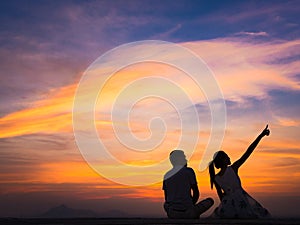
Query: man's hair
{"x": 177, "y": 158}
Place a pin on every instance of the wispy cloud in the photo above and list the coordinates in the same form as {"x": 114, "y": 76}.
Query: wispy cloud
{"x": 255, "y": 34}
{"x": 168, "y": 33}
{"x": 250, "y": 69}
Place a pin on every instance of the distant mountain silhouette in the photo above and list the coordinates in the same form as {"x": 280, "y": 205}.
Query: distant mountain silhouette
{"x": 63, "y": 211}
{"x": 114, "y": 213}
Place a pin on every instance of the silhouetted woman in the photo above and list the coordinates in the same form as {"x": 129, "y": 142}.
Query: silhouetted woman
{"x": 235, "y": 202}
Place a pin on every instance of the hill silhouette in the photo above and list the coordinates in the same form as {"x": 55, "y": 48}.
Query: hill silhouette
{"x": 63, "y": 211}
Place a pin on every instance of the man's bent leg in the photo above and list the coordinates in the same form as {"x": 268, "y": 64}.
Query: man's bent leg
{"x": 204, "y": 205}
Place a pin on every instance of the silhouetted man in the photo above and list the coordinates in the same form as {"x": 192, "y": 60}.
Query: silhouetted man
{"x": 181, "y": 190}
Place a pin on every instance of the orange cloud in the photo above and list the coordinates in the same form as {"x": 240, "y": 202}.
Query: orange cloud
{"x": 49, "y": 115}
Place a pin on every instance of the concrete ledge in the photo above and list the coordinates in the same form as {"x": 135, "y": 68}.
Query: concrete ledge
{"x": 142, "y": 221}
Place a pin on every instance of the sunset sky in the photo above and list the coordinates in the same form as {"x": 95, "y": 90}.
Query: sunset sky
{"x": 249, "y": 63}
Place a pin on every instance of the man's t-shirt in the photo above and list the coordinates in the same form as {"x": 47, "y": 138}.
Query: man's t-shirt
{"x": 178, "y": 188}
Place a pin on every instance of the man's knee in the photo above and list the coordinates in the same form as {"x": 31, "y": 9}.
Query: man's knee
{"x": 210, "y": 201}
{"x": 204, "y": 205}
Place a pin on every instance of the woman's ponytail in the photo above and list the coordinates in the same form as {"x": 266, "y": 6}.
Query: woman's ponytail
{"x": 212, "y": 174}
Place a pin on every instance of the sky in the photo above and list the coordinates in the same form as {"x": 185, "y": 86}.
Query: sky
{"x": 96, "y": 94}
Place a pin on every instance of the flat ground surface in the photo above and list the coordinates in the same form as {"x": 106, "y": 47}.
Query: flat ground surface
{"x": 140, "y": 221}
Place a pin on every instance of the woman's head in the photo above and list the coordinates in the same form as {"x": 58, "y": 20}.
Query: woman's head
{"x": 221, "y": 159}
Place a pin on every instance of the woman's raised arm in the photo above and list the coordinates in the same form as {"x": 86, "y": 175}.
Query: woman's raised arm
{"x": 236, "y": 165}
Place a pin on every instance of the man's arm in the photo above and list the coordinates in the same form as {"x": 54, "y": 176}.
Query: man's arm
{"x": 195, "y": 195}
{"x": 165, "y": 193}
{"x": 164, "y": 188}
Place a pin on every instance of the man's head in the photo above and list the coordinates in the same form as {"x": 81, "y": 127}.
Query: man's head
{"x": 177, "y": 158}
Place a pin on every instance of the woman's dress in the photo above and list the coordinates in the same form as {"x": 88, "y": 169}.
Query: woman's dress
{"x": 236, "y": 202}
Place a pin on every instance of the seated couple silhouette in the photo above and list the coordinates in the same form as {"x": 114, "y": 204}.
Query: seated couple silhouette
{"x": 182, "y": 193}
